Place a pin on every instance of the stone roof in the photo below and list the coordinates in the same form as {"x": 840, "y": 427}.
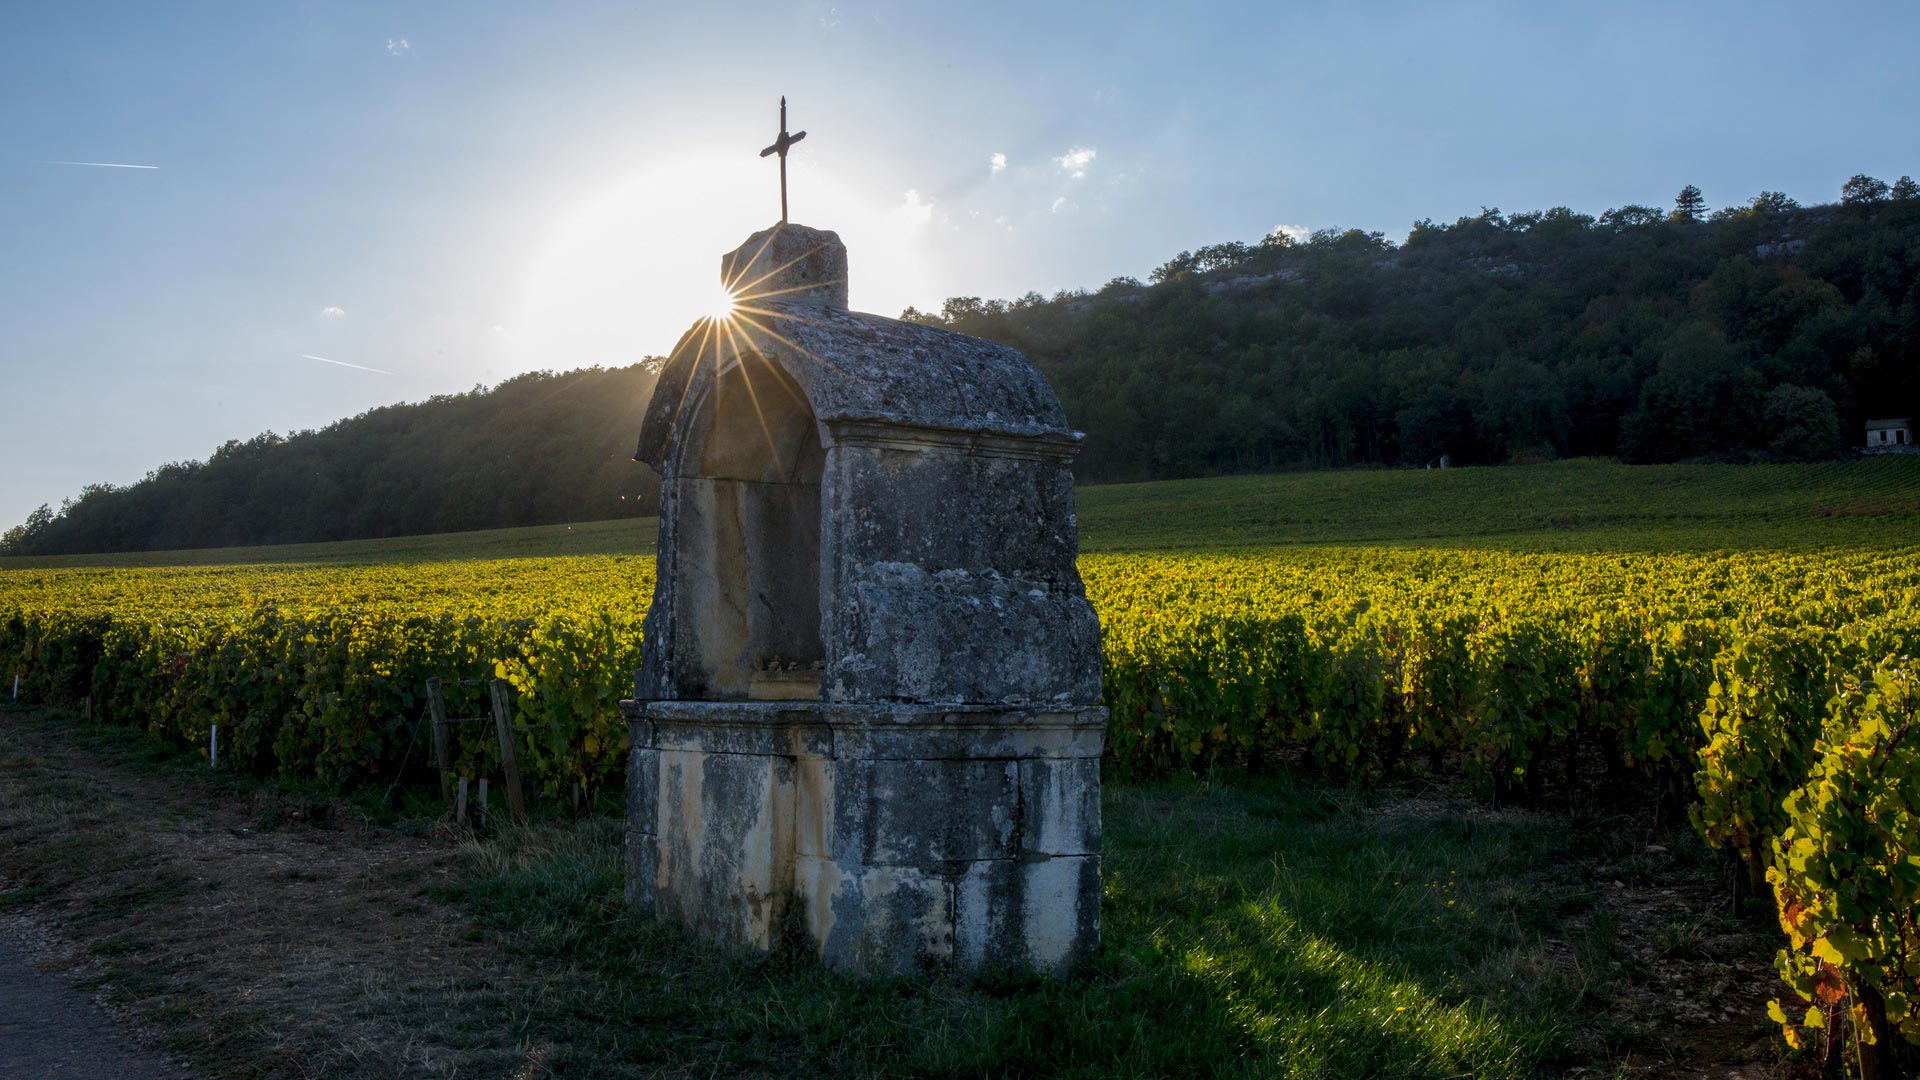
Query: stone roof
{"x": 854, "y": 366}
{"x": 1888, "y": 425}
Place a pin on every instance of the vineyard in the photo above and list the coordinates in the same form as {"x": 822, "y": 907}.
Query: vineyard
{"x": 1764, "y": 691}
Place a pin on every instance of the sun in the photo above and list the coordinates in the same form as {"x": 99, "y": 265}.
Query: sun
{"x": 619, "y": 272}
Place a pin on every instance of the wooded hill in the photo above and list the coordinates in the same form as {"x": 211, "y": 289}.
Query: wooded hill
{"x": 1757, "y": 332}
{"x": 537, "y": 449}
{"x": 1764, "y": 331}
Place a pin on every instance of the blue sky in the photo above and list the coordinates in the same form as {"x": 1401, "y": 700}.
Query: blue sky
{"x": 450, "y": 194}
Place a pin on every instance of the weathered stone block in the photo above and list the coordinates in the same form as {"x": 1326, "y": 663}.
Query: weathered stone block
{"x": 643, "y": 778}
{"x": 890, "y": 920}
{"x": 810, "y": 266}
{"x": 902, "y": 633}
{"x": 1035, "y": 914}
{"x": 924, "y": 733}
{"x": 1060, "y": 806}
{"x": 713, "y": 728}
{"x": 912, "y": 484}
{"x": 928, "y": 813}
{"x": 725, "y": 844}
{"x": 813, "y": 824}
{"x": 642, "y": 869}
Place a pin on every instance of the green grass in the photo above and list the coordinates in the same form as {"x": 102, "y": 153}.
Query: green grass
{"x": 1583, "y": 505}
{"x": 626, "y": 536}
{"x": 1270, "y": 929}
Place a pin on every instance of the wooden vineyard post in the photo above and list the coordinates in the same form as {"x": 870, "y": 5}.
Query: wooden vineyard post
{"x": 509, "y": 761}
{"x": 480, "y": 814}
{"x": 442, "y": 738}
{"x": 460, "y": 807}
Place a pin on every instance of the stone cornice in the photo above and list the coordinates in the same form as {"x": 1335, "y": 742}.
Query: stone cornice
{"x": 1043, "y": 446}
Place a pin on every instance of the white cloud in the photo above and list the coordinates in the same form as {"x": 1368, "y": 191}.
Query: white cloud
{"x": 997, "y": 163}
{"x": 1075, "y": 161}
{"x": 912, "y": 212}
{"x": 1296, "y": 233}
{"x": 1059, "y": 204}
{"x": 399, "y": 46}
{"x": 332, "y": 312}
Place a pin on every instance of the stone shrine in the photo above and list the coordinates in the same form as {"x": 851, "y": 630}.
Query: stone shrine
{"x": 867, "y": 721}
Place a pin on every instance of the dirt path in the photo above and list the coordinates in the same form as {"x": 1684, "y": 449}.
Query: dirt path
{"x": 246, "y": 932}
{"x": 50, "y": 1030}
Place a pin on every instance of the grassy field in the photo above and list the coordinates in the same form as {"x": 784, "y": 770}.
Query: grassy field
{"x": 626, "y": 536}
{"x": 1582, "y": 505}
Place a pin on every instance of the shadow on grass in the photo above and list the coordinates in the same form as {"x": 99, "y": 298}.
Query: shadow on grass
{"x": 1275, "y": 930}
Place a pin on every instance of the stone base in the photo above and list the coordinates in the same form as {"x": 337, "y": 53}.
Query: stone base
{"x": 886, "y": 839}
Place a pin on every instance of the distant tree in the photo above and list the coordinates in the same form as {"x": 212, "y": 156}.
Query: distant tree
{"x": 1905, "y": 188}
{"x": 1801, "y": 422}
{"x": 1703, "y": 399}
{"x": 1863, "y": 190}
{"x": 1121, "y": 284}
{"x": 1222, "y": 256}
{"x": 1761, "y": 205}
{"x": 1178, "y": 268}
{"x": 1278, "y": 240}
{"x": 1557, "y": 226}
{"x": 1350, "y": 241}
{"x": 1203, "y": 261}
{"x": 1689, "y": 205}
{"x": 1523, "y": 409}
{"x": 1440, "y": 421}
{"x": 958, "y": 308}
{"x": 1631, "y": 216}
{"x": 1424, "y": 231}
{"x": 21, "y": 539}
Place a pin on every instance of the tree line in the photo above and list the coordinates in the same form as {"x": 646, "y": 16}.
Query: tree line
{"x": 1760, "y": 331}
{"x": 538, "y": 449}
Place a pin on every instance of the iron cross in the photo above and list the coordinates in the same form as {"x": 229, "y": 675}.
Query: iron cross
{"x": 781, "y": 146}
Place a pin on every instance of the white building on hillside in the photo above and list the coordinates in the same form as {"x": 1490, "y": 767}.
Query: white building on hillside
{"x": 1894, "y": 436}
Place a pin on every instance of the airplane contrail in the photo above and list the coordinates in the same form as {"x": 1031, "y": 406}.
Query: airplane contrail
{"x": 343, "y": 363}
{"x": 101, "y": 164}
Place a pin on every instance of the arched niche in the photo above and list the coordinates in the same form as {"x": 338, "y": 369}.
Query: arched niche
{"x": 749, "y": 594}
